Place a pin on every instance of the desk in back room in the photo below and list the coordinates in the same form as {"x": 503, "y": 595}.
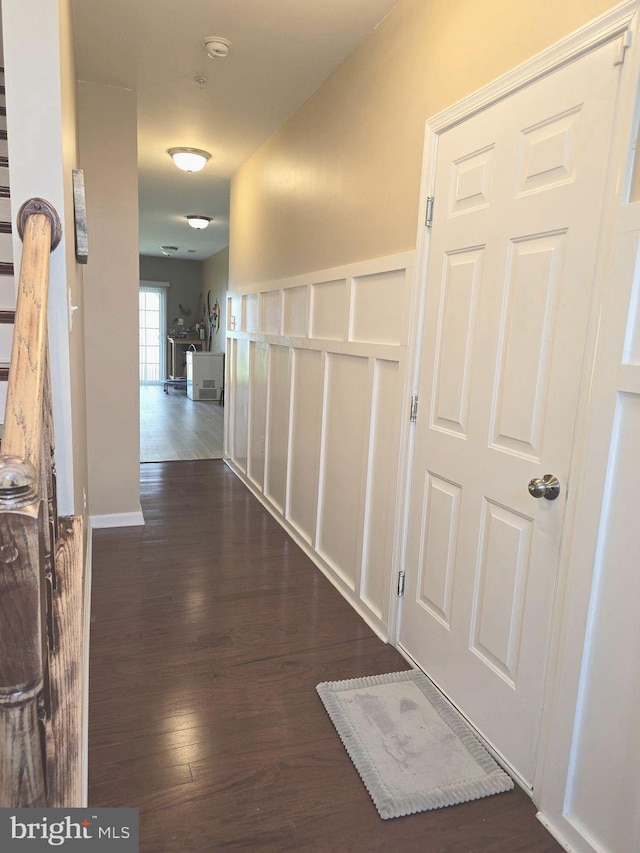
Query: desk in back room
{"x": 177, "y": 355}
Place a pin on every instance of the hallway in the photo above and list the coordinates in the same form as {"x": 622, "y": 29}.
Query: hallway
{"x": 175, "y": 428}
{"x": 210, "y": 629}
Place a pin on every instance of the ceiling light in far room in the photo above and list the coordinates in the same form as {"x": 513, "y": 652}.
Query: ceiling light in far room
{"x": 198, "y": 222}
{"x": 168, "y": 250}
{"x": 189, "y": 159}
{"x": 216, "y": 47}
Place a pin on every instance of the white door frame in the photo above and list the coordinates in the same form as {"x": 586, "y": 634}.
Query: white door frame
{"x": 579, "y": 539}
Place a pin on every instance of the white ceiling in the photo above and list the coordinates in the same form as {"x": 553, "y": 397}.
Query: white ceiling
{"x": 281, "y": 51}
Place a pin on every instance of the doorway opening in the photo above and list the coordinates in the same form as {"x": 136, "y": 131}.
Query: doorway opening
{"x": 172, "y": 426}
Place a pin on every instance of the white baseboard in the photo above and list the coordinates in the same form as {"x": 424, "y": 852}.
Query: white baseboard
{"x": 118, "y": 519}
{"x": 553, "y": 830}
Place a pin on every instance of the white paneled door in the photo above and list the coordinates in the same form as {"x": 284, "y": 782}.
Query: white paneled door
{"x": 518, "y": 206}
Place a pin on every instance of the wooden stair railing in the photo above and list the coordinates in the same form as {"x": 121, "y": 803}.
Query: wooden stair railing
{"x": 28, "y": 528}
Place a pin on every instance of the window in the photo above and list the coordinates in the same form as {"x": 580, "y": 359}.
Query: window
{"x": 153, "y": 329}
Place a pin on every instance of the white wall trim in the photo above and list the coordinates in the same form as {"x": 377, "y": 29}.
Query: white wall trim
{"x": 366, "y": 350}
{"x": 553, "y": 830}
{"x": 401, "y": 260}
{"x": 118, "y": 519}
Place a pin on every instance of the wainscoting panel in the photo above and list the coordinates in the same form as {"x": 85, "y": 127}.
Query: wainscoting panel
{"x": 344, "y": 444}
{"x": 278, "y": 426}
{"x": 606, "y": 740}
{"x": 304, "y": 451}
{"x": 329, "y": 313}
{"x": 259, "y": 354}
{"x": 375, "y": 319}
{"x": 605, "y": 746}
{"x": 377, "y": 551}
{"x": 250, "y": 308}
{"x": 234, "y": 313}
{"x": 316, "y": 391}
{"x": 296, "y": 320}
{"x": 240, "y": 404}
{"x": 271, "y": 305}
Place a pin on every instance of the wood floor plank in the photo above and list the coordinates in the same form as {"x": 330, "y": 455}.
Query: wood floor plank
{"x": 173, "y": 427}
{"x": 210, "y": 632}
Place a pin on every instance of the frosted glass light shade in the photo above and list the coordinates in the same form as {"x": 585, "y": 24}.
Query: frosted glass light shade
{"x": 198, "y": 222}
{"x": 189, "y": 159}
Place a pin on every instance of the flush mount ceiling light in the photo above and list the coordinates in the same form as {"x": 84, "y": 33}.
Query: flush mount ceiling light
{"x": 216, "y": 47}
{"x": 198, "y": 222}
{"x": 189, "y": 159}
{"x": 168, "y": 250}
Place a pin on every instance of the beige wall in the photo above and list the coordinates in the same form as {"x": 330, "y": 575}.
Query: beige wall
{"x": 108, "y": 155}
{"x": 41, "y": 107}
{"x": 216, "y": 280}
{"x": 339, "y": 182}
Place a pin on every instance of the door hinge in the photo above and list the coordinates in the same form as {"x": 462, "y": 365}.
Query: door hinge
{"x": 413, "y": 412}
{"x": 400, "y": 584}
{"x": 429, "y": 217}
{"x": 623, "y": 46}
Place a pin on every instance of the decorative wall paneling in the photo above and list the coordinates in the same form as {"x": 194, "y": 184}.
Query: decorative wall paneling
{"x": 593, "y": 736}
{"x": 314, "y": 403}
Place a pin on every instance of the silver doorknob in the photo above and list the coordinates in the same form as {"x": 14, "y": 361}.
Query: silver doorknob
{"x": 546, "y": 487}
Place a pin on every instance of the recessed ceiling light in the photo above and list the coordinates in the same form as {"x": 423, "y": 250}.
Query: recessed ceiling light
{"x": 189, "y": 159}
{"x": 198, "y": 222}
{"x": 168, "y": 250}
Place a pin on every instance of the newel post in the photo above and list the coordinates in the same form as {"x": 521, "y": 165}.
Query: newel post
{"x": 22, "y": 776}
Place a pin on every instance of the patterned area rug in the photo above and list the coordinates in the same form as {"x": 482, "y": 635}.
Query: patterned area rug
{"x": 412, "y": 749}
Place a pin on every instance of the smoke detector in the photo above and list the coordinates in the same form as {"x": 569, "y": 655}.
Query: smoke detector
{"x": 216, "y": 47}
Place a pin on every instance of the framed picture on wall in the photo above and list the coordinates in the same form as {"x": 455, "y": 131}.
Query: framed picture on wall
{"x": 80, "y": 216}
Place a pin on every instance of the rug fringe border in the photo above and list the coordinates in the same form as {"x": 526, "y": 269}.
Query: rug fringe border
{"x": 496, "y": 781}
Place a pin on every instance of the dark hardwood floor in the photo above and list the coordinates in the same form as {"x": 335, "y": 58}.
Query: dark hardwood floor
{"x": 210, "y": 631}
